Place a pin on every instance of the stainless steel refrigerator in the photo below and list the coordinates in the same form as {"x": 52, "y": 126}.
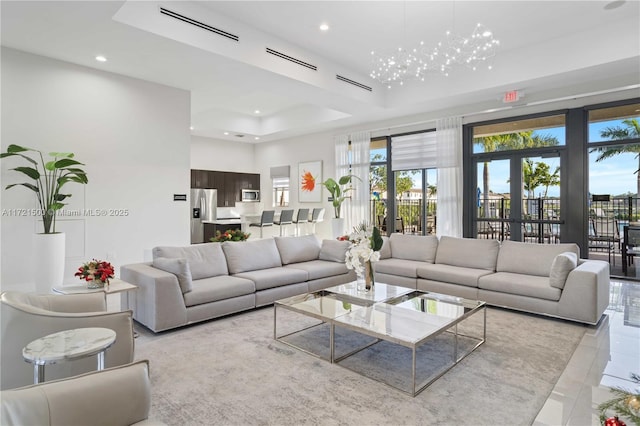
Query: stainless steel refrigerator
{"x": 204, "y": 203}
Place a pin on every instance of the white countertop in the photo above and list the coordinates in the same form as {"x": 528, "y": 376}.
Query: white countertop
{"x": 223, "y": 221}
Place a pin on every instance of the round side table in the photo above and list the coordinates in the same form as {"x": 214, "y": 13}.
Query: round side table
{"x": 68, "y": 345}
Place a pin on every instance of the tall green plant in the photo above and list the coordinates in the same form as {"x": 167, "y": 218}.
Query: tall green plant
{"x": 339, "y": 190}
{"x": 48, "y": 179}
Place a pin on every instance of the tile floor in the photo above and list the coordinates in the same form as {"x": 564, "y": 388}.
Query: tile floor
{"x": 605, "y": 357}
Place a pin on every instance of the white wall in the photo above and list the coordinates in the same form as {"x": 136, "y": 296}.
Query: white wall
{"x": 133, "y": 137}
{"x": 226, "y": 156}
{"x": 319, "y": 146}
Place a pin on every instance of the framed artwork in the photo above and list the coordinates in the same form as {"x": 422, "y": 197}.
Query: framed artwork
{"x": 309, "y": 178}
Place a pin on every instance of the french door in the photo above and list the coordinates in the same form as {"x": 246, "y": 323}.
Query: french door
{"x": 518, "y": 196}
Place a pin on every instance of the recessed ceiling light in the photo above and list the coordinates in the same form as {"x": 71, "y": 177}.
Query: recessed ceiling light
{"x": 226, "y": 133}
{"x": 257, "y": 111}
{"x": 101, "y": 58}
{"x": 324, "y": 27}
{"x": 257, "y": 138}
{"x": 190, "y": 127}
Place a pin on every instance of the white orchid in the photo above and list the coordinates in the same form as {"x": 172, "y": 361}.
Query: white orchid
{"x": 365, "y": 245}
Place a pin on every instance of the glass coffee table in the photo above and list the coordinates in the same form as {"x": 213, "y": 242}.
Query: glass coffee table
{"x": 404, "y": 338}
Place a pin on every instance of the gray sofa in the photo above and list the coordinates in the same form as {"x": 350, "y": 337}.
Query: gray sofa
{"x": 185, "y": 285}
{"x": 547, "y": 279}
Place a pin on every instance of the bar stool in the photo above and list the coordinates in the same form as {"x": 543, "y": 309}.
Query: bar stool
{"x": 265, "y": 220}
{"x": 303, "y": 217}
{"x": 286, "y": 218}
{"x": 317, "y": 215}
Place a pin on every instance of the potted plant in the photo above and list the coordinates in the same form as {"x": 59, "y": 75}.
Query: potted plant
{"x": 339, "y": 191}
{"x": 47, "y": 179}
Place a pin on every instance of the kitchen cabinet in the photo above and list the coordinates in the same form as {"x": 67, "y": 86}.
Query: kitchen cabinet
{"x": 200, "y": 179}
{"x": 228, "y": 184}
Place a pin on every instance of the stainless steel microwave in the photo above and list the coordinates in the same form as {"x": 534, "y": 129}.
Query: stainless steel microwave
{"x": 249, "y": 195}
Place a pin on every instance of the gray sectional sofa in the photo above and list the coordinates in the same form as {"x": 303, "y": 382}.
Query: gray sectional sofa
{"x": 184, "y": 285}
{"x": 548, "y": 279}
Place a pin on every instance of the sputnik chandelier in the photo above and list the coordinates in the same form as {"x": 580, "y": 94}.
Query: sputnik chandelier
{"x": 401, "y": 65}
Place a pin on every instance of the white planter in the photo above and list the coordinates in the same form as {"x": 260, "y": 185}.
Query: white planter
{"x": 48, "y": 261}
{"x": 337, "y": 226}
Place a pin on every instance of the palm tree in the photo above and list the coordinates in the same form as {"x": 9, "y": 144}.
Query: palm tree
{"x": 505, "y": 142}
{"x": 631, "y": 131}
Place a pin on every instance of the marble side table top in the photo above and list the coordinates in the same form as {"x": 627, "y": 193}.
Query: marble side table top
{"x": 68, "y": 344}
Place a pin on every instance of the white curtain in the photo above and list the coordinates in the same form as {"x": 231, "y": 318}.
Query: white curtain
{"x": 449, "y": 163}
{"x": 342, "y": 164}
{"x": 360, "y": 209}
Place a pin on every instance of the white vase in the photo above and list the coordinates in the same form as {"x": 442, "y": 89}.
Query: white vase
{"x": 337, "y": 226}
{"x": 48, "y": 261}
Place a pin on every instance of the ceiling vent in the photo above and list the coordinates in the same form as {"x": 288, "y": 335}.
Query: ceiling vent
{"x": 292, "y": 59}
{"x": 199, "y": 24}
{"x": 355, "y": 83}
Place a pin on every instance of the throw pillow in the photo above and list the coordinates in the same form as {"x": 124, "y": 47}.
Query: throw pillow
{"x": 334, "y": 250}
{"x": 562, "y": 265}
{"x": 178, "y": 267}
{"x": 298, "y": 249}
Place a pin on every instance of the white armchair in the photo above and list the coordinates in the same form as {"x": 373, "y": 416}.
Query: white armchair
{"x": 112, "y": 397}
{"x": 28, "y": 316}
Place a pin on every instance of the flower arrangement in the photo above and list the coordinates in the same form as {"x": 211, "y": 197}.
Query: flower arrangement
{"x": 96, "y": 270}
{"x": 366, "y": 243}
{"x": 230, "y": 235}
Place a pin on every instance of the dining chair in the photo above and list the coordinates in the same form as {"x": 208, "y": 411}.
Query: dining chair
{"x": 317, "y": 215}
{"x": 286, "y": 218}
{"x": 302, "y": 217}
{"x": 266, "y": 219}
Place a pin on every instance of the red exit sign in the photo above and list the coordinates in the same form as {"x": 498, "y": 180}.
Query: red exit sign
{"x": 511, "y": 96}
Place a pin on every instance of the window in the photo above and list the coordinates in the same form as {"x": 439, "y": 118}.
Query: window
{"x": 521, "y": 134}
{"x": 280, "y": 192}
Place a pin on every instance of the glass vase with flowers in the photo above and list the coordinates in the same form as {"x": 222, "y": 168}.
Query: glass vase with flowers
{"x": 366, "y": 242}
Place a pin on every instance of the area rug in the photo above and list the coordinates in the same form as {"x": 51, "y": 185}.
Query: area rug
{"x": 231, "y": 371}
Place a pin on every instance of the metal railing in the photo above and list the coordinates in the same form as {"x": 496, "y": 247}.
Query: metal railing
{"x": 540, "y": 220}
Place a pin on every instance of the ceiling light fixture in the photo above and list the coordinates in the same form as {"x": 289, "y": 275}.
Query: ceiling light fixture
{"x": 257, "y": 138}
{"x": 257, "y": 111}
{"x": 391, "y": 68}
{"x": 101, "y": 58}
{"x": 324, "y": 27}
{"x": 226, "y": 133}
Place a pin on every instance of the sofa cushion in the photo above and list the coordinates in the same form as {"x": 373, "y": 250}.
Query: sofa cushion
{"x": 468, "y": 252}
{"x": 251, "y": 255}
{"x": 385, "y": 251}
{"x": 334, "y": 250}
{"x": 520, "y": 284}
{"x": 452, "y": 274}
{"x": 222, "y": 287}
{"x": 529, "y": 258}
{"x": 205, "y": 260}
{"x": 274, "y": 277}
{"x": 400, "y": 267}
{"x": 317, "y": 269}
{"x": 414, "y": 247}
{"x": 298, "y": 249}
{"x": 178, "y": 267}
{"x": 562, "y": 265}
